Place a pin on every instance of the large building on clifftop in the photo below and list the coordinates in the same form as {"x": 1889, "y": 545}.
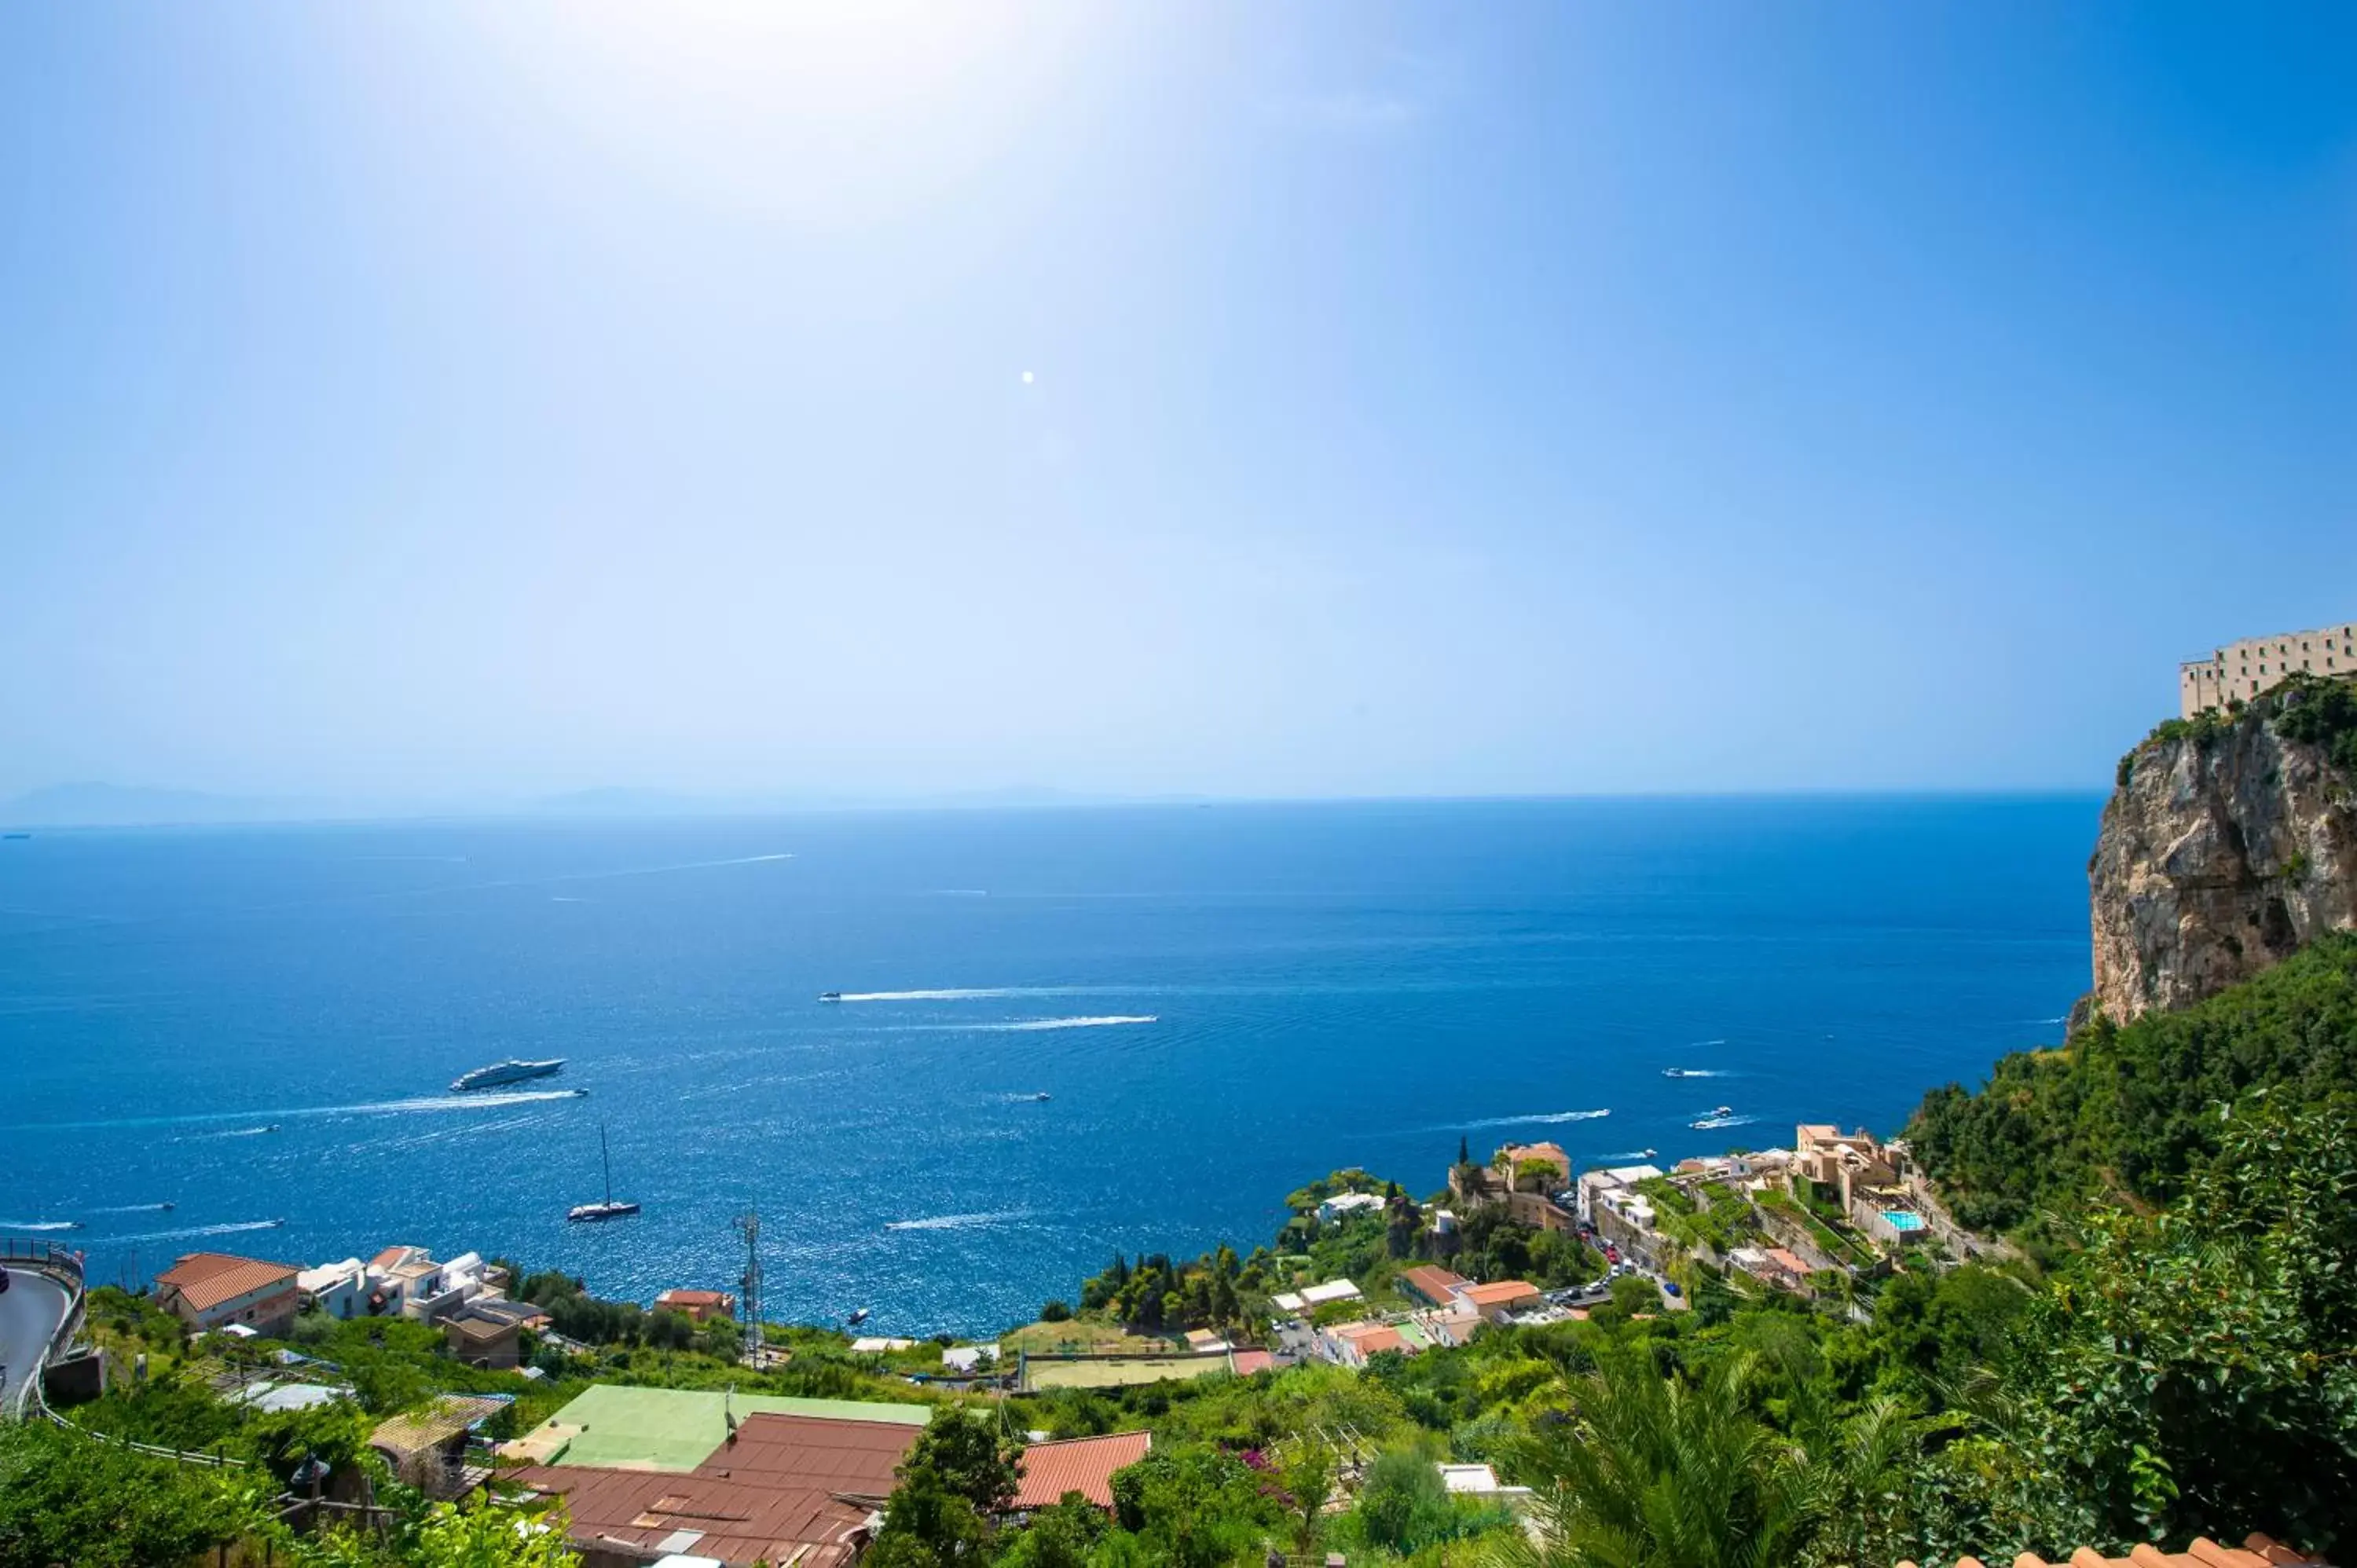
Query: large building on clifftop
{"x": 2241, "y": 670}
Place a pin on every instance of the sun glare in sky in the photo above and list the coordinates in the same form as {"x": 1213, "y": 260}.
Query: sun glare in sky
{"x": 448, "y": 404}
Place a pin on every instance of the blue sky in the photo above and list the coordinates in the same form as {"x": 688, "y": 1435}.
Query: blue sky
{"x": 431, "y": 401}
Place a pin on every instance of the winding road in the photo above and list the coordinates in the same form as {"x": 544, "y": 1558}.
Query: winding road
{"x": 30, "y": 1310}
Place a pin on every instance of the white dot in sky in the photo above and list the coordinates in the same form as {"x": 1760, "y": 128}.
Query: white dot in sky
{"x": 1026, "y": 378}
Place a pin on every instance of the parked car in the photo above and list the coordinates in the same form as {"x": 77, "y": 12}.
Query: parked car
{"x": 1671, "y": 1287}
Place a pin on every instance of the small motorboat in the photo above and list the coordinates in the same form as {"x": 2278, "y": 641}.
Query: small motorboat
{"x": 1039, "y": 1097}
{"x": 830, "y": 995}
{"x": 1678, "y": 1072}
{"x": 1724, "y": 1111}
{"x": 857, "y": 1315}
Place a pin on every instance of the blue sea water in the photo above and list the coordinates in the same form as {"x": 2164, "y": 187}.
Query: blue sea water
{"x": 1221, "y": 1003}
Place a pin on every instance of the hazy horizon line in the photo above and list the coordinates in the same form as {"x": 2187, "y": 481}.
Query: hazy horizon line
{"x": 205, "y": 810}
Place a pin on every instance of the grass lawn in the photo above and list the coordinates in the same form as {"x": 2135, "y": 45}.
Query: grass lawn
{"x": 1079, "y": 1336}
{"x": 1120, "y": 1371}
{"x": 676, "y": 1429}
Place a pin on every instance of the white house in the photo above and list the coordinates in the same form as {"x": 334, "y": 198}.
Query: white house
{"x": 1310, "y": 1296}
{"x": 399, "y": 1281}
{"x": 1344, "y": 1204}
{"x": 435, "y": 1291}
{"x": 1480, "y": 1481}
{"x": 1592, "y": 1183}
{"x": 340, "y": 1290}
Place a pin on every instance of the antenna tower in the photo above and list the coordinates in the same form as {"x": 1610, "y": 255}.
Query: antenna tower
{"x": 748, "y": 1225}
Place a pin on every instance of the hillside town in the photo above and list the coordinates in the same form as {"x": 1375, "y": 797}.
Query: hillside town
{"x": 646, "y": 1474}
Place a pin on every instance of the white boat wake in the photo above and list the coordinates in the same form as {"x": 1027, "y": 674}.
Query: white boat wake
{"x": 192, "y": 1231}
{"x": 1031, "y": 1025}
{"x": 422, "y": 1104}
{"x": 1548, "y": 1117}
{"x": 958, "y": 1221}
{"x": 977, "y": 993}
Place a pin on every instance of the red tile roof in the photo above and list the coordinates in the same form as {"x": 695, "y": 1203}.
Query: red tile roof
{"x": 1500, "y": 1294}
{"x": 1433, "y": 1283}
{"x": 1244, "y": 1363}
{"x": 781, "y": 1487}
{"x": 204, "y": 1280}
{"x": 1082, "y": 1465}
{"x": 695, "y": 1298}
{"x": 2256, "y": 1552}
{"x": 1372, "y": 1339}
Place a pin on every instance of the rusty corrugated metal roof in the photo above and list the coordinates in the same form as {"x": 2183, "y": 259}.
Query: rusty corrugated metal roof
{"x": 788, "y": 1483}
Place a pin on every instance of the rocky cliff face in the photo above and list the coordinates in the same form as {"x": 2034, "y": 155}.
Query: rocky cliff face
{"x": 2226, "y": 848}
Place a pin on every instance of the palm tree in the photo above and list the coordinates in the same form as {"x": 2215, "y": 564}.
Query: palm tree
{"x": 1646, "y": 1471}
{"x": 1860, "y": 1501}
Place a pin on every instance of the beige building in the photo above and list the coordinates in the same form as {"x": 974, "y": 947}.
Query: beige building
{"x": 1515, "y": 1156}
{"x": 2241, "y": 670}
{"x": 216, "y": 1290}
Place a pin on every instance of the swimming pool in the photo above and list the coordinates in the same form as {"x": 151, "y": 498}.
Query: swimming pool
{"x": 1901, "y": 1220}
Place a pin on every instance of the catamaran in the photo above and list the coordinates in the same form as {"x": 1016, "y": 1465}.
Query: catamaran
{"x": 610, "y": 1208}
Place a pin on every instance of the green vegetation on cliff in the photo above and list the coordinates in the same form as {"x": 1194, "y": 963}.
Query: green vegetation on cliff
{"x": 2315, "y": 710}
{"x": 2132, "y": 1112}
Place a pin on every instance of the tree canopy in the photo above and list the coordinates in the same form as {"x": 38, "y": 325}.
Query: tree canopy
{"x": 2132, "y": 1112}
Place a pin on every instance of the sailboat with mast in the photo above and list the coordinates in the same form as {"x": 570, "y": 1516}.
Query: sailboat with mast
{"x": 611, "y": 1209}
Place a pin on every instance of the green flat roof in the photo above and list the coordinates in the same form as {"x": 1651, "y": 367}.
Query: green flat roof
{"x": 677, "y": 1429}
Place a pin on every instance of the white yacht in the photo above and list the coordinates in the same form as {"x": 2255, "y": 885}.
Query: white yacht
{"x": 511, "y": 1071}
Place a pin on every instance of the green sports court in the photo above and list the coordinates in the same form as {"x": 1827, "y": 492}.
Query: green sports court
{"x": 674, "y": 1429}
{"x": 1115, "y": 1371}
